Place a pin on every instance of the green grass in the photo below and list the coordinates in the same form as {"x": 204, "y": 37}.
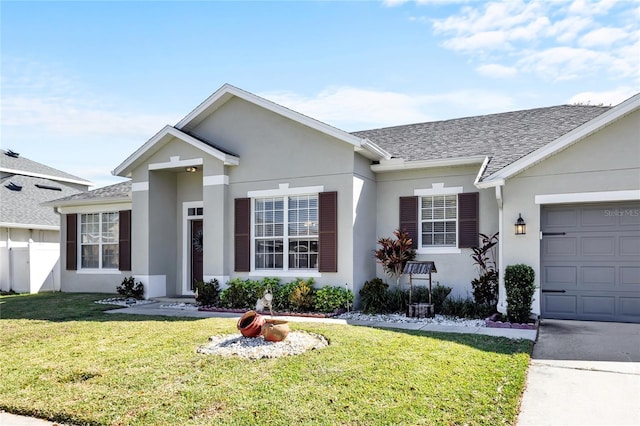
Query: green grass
{"x": 63, "y": 359}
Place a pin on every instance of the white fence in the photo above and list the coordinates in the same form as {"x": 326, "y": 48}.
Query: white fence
{"x": 29, "y": 267}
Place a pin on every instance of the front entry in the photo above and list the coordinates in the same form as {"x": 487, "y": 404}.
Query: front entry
{"x": 196, "y": 238}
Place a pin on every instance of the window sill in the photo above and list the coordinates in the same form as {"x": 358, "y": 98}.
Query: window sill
{"x": 438, "y": 250}
{"x": 299, "y": 273}
{"x": 99, "y": 271}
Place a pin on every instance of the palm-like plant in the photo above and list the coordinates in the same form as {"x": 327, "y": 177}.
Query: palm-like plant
{"x": 394, "y": 253}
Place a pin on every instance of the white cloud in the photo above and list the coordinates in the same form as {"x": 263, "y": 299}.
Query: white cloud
{"x": 610, "y": 97}
{"x": 591, "y": 7}
{"x": 497, "y": 71}
{"x": 352, "y": 108}
{"x": 603, "y": 37}
{"x": 490, "y": 40}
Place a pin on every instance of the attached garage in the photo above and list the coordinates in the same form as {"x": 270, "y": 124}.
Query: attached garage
{"x": 590, "y": 261}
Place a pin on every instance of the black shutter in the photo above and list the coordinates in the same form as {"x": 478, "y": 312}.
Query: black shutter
{"x": 242, "y": 235}
{"x": 468, "y": 223}
{"x": 124, "y": 248}
{"x": 72, "y": 242}
{"x": 328, "y": 232}
{"x": 409, "y": 218}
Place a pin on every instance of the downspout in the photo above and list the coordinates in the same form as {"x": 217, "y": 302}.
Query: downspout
{"x": 502, "y": 304}
{"x": 10, "y": 259}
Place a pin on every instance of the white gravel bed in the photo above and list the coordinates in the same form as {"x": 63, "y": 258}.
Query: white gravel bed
{"x": 182, "y": 306}
{"x": 400, "y": 318}
{"x": 296, "y": 343}
{"x": 120, "y": 301}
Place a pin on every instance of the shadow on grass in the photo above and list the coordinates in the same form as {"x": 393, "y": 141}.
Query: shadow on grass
{"x": 64, "y": 307}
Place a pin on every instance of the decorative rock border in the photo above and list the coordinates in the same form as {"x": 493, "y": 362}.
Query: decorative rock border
{"x": 494, "y": 322}
{"x": 280, "y": 314}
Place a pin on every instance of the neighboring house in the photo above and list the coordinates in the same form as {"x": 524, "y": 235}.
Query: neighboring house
{"x": 29, "y": 232}
{"x": 266, "y": 191}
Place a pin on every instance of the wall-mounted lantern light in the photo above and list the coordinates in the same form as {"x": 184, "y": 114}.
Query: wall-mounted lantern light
{"x": 521, "y": 227}
{"x": 191, "y": 169}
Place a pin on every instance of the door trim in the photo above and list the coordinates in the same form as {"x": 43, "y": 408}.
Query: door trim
{"x": 186, "y": 243}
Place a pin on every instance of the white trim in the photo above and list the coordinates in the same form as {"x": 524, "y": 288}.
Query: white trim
{"x": 215, "y": 180}
{"x": 175, "y": 162}
{"x": 29, "y": 226}
{"x": 292, "y": 273}
{"x": 438, "y": 189}
{"x": 481, "y": 171}
{"x": 395, "y": 164}
{"x": 499, "y": 196}
{"x": 45, "y": 176}
{"x": 96, "y": 208}
{"x": 163, "y": 137}
{"x": 154, "y": 285}
{"x": 568, "y": 139}
{"x": 227, "y": 91}
{"x": 284, "y": 190}
{"x": 139, "y": 186}
{"x": 587, "y": 197}
{"x": 439, "y": 250}
{"x": 185, "y": 242}
{"x": 94, "y": 271}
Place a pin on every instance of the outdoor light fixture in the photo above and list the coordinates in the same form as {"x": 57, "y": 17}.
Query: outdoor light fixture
{"x": 521, "y": 227}
{"x": 191, "y": 169}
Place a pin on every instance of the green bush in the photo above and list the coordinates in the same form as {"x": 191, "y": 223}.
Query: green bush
{"x": 373, "y": 296}
{"x": 519, "y": 284}
{"x": 235, "y": 296}
{"x": 439, "y": 294}
{"x": 397, "y": 300}
{"x": 129, "y": 288}
{"x": 302, "y": 296}
{"x": 208, "y": 293}
{"x": 281, "y": 294}
{"x": 464, "y": 307}
{"x": 332, "y": 298}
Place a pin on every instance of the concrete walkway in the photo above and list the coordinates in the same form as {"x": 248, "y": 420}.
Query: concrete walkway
{"x": 583, "y": 373}
{"x": 156, "y": 309}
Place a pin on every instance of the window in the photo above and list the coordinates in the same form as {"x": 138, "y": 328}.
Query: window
{"x": 438, "y": 220}
{"x": 99, "y": 240}
{"x": 289, "y": 222}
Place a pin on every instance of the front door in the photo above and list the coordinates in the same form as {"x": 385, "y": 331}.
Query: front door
{"x": 196, "y": 252}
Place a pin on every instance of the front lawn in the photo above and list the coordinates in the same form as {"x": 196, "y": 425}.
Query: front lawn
{"x": 61, "y": 358}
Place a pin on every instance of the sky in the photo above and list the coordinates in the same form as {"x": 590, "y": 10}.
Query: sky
{"x": 84, "y": 84}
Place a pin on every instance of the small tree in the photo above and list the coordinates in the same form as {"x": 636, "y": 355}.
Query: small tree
{"x": 518, "y": 282}
{"x": 394, "y": 254}
{"x": 485, "y": 287}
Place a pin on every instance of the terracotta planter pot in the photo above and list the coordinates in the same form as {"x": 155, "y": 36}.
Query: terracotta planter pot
{"x": 275, "y": 330}
{"x": 250, "y": 324}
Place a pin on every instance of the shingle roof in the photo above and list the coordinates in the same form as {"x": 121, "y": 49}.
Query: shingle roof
{"x": 503, "y": 137}
{"x": 118, "y": 191}
{"x": 23, "y": 165}
{"x": 23, "y": 207}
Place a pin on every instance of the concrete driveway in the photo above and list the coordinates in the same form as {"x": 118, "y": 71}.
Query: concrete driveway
{"x": 583, "y": 373}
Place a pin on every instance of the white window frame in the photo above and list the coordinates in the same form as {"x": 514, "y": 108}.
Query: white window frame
{"x": 186, "y": 241}
{"x": 437, "y": 189}
{"x": 282, "y": 192}
{"x": 100, "y": 244}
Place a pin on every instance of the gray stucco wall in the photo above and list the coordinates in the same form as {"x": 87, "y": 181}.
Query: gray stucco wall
{"x": 608, "y": 160}
{"x": 455, "y": 270}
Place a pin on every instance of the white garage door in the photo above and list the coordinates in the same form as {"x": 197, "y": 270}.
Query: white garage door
{"x": 590, "y": 262}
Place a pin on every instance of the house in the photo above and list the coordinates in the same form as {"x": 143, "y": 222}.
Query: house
{"x": 243, "y": 187}
{"x": 29, "y": 232}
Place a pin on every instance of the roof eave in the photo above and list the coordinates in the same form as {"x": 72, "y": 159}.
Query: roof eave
{"x": 29, "y": 226}
{"x": 397, "y": 164}
{"x": 87, "y": 201}
{"x": 45, "y": 176}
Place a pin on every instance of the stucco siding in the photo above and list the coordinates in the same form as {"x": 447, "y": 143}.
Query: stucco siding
{"x": 455, "y": 270}
{"x": 606, "y": 161}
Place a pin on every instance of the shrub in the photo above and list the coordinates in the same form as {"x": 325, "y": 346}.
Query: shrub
{"x": 301, "y": 298}
{"x": 519, "y": 285}
{"x": 129, "y": 288}
{"x": 461, "y": 307}
{"x": 208, "y": 293}
{"x": 331, "y": 298}
{"x": 397, "y": 299}
{"x": 281, "y": 294}
{"x": 373, "y": 296}
{"x": 235, "y": 295}
{"x": 439, "y": 294}
{"x": 393, "y": 254}
{"x": 485, "y": 287}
